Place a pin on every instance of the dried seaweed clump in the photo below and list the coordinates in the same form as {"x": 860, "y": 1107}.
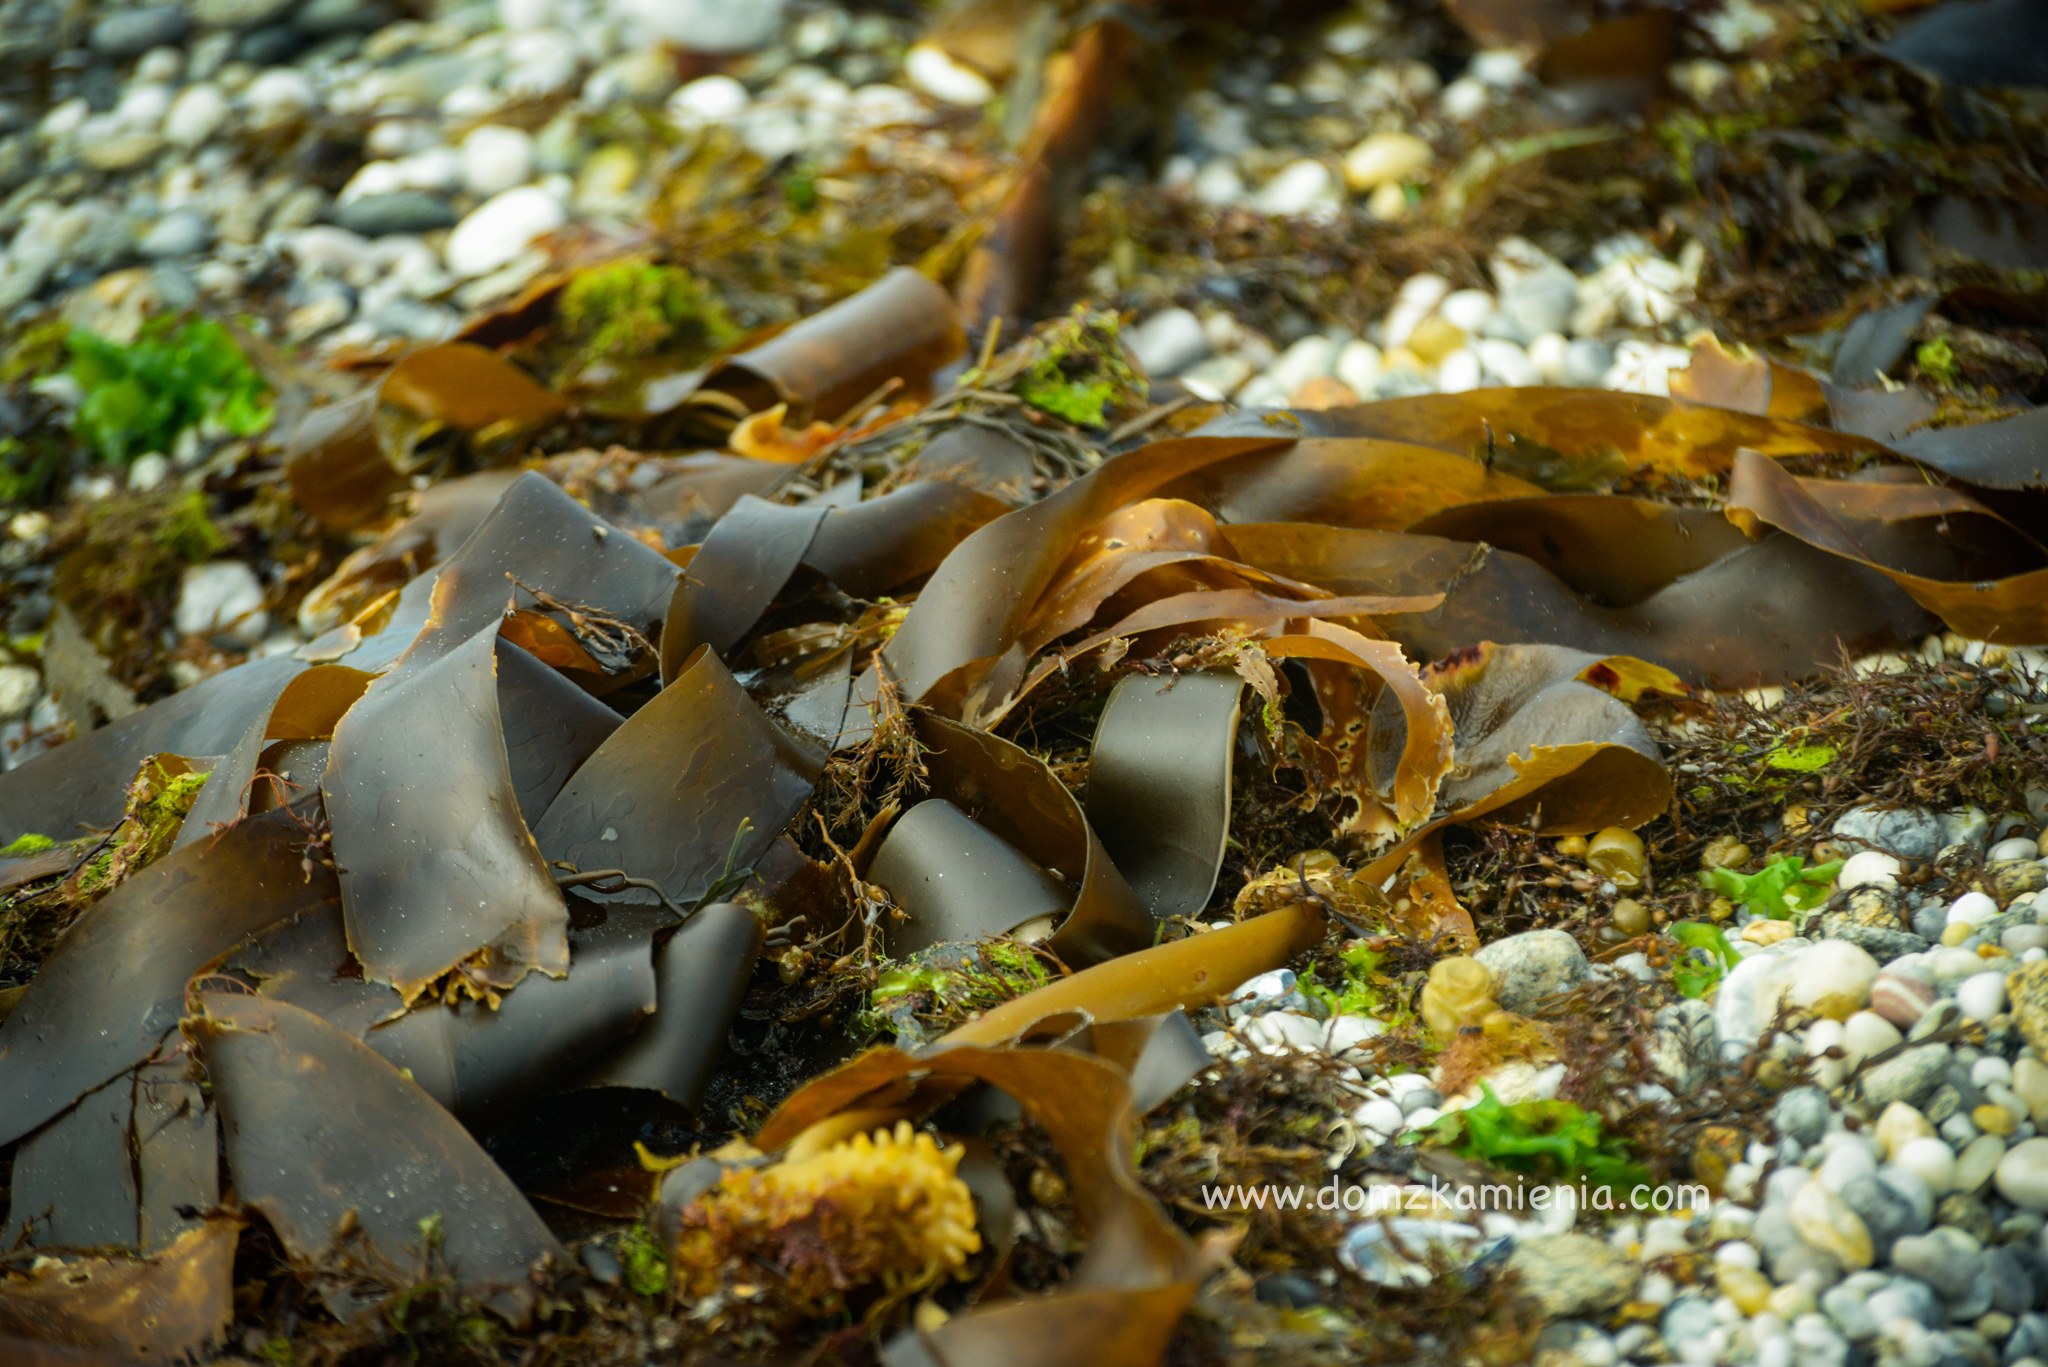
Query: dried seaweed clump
{"x": 886, "y": 1212}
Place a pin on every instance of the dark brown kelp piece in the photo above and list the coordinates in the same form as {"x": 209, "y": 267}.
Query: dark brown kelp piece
{"x": 1615, "y": 550}
{"x": 871, "y": 547}
{"x": 1902, "y": 531}
{"x": 476, "y": 1059}
{"x": 1011, "y": 793}
{"x": 744, "y": 562}
{"x": 978, "y": 599}
{"x": 347, "y": 460}
{"x": 442, "y": 518}
{"x": 124, "y": 1168}
{"x": 168, "y": 1308}
{"x": 1769, "y": 612}
{"x": 701, "y": 973}
{"x": 308, "y": 709}
{"x": 687, "y": 793}
{"x": 438, "y": 870}
{"x": 343, "y": 1154}
{"x": 538, "y": 540}
{"x": 1159, "y": 784}
{"x": 81, "y": 785}
{"x": 551, "y": 727}
{"x": 955, "y": 879}
{"x": 902, "y": 327}
{"x": 115, "y": 985}
{"x": 2011, "y": 453}
{"x": 1567, "y": 440}
{"x": 1343, "y": 482}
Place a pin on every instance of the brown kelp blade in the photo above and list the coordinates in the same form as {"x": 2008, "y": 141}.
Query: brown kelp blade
{"x": 167, "y": 1308}
{"x": 2011, "y": 453}
{"x": 128, "y": 1167}
{"x": 1770, "y": 612}
{"x": 80, "y": 785}
{"x": 954, "y": 879}
{"x": 477, "y": 1059}
{"x": 116, "y": 984}
{"x": 902, "y": 327}
{"x": 438, "y": 869}
{"x": 343, "y": 1154}
{"x": 1159, "y": 784}
{"x": 688, "y": 792}
{"x": 2012, "y": 607}
{"x": 1566, "y": 440}
{"x": 701, "y": 974}
{"x": 347, "y": 461}
{"x": 1346, "y": 482}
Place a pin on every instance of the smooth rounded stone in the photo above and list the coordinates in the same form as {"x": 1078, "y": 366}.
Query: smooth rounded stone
{"x": 1801, "y": 1114}
{"x": 2013, "y": 847}
{"x": 2030, "y": 1085}
{"x": 710, "y": 26}
{"x": 500, "y": 228}
{"x": 1932, "y": 1161}
{"x": 1976, "y": 1163}
{"x": 238, "y": 13}
{"x": 1573, "y": 1343}
{"x": 1908, "y": 1077}
{"x": 1688, "y": 1319}
{"x": 1869, "y": 869}
{"x": 1911, "y": 833}
{"x": 1306, "y": 360}
{"x": 180, "y": 232}
{"x": 1386, "y": 159}
{"x": 1168, "y": 342}
{"x": 1981, "y": 996}
{"x": 2027, "y": 988}
{"x": 1533, "y": 965}
{"x": 1946, "y": 1259}
{"x": 1969, "y": 828}
{"x": 119, "y": 150}
{"x": 1289, "y": 1030}
{"x": 1867, "y": 1034}
{"x": 1930, "y": 921}
{"x": 1899, "y": 1125}
{"x": 1684, "y": 1043}
{"x": 2010, "y": 1280}
{"x": 2017, "y": 879}
{"x": 1574, "y": 1274}
{"x": 495, "y": 159}
{"x": 1300, "y": 187}
{"x": 1460, "y": 372}
{"x": 1829, "y": 978}
{"x": 130, "y": 33}
{"x": 1908, "y": 1299}
{"x": 928, "y": 68}
{"x": 1826, "y": 1223}
{"x": 2022, "y": 1175}
{"x": 1844, "y": 1164}
{"x": 1971, "y": 909}
{"x": 280, "y": 93}
{"x": 1901, "y": 1000}
{"x": 222, "y": 599}
{"x": 1881, "y": 945}
{"x": 324, "y": 18}
{"x": 195, "y": 115}
{"x": 2018, "y": 940}
{"x": 399, "y": 211}
{"x": 1886, "y": 1213}
{"x": 20, "y": 686}
{"x": 1847, "y": 1304}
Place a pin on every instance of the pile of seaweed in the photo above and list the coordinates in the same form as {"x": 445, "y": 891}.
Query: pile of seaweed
{"x": 737, "y": 864}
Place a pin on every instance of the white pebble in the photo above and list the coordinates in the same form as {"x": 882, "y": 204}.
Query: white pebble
{"x": 1547, "y": 354}
{"x": 1359, "y": 365}
{"x": 1385, "y": 159}
{"x": 1498, "y": 67}
{"x": 2014, "y": 847}
{"x": 1460, "y": 371}
{"x": 495, "y": 159}
{"x": 1982, "y": 996}
{"x": 1932, "y": 1161}
{"x": 1464, "y": 99}
{"x": 1467, "y": 310}
{"x": 195, "y": 115}
{"x": 1971, "y": 909}
{"x": 709, "y": 99}
{"x": 1300, "y": 187}
{"x": 1868, "y": 869}
{"x": 929, "y": 69}
{"x": 500, "y": 228}
{"x": 2023, "y": 1174}
{"x": 222, "y": 598}
{"x": 1506, "y": 362}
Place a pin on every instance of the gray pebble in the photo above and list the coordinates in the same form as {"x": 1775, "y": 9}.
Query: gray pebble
{"x": 1946, "y": 1259}
{"x": 1885, "y": 1211}
{"x": 1802, "y": 1114}
{"x": 130, "y": 33}
{"x": 1911, "y": 833}
{"x": 180, "y": 232}
{"x": 401, "y": 211}
{"x": 1908, "y": 1077}
{"x": 1906, "y": 1298}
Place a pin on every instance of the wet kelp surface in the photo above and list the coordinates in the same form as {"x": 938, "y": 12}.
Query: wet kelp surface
{"x": 743, "y": 863}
